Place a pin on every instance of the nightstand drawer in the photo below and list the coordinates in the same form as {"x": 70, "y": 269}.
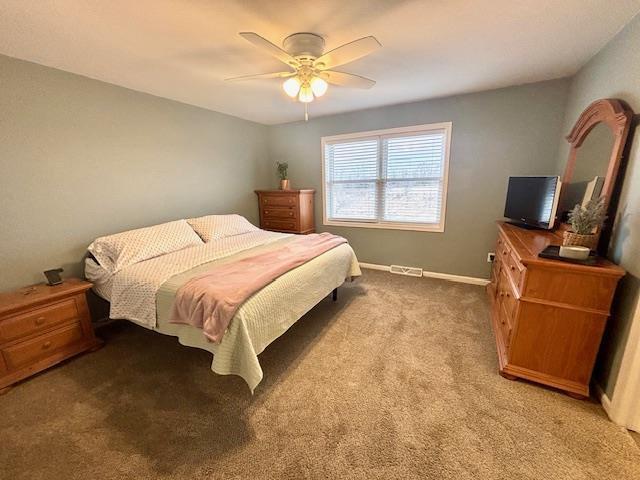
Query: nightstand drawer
{"x": 32, "y": 350}
{"x": 280, "y": 225}
{"x": 38, "y": 319}
{"x": 277, "y": 213}
{"x": 280, "y": 200}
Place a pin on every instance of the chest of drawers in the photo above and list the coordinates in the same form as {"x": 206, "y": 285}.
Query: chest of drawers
{"x": 548, "y": 316}
{"x": 288, "y": 211}
{"x": 41, "y": 326}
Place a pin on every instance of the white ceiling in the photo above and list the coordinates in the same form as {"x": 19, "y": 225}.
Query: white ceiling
{"x": 183, "y": 49}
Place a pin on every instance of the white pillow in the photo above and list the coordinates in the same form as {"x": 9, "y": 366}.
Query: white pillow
{"x": 213, "y": 227}
{"x": 115, "y": 252}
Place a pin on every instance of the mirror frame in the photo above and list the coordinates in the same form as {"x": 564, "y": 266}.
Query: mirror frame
{"x": 617, "y": 115}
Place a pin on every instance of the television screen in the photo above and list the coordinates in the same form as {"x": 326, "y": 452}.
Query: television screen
{"x": 532, "y": 200}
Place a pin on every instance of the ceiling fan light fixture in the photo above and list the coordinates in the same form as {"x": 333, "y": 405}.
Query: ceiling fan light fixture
{"x": 319, "y": 86}
{"x": 291, "y": 87}
{"x": 306, "y": 94}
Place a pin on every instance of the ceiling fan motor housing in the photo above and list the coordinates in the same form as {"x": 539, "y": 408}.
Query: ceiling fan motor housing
{"x": 303, "y": 45}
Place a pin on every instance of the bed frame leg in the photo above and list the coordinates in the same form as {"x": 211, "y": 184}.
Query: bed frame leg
{"x": 334, "y": 294}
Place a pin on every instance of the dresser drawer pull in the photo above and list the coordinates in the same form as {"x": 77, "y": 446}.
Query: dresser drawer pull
{"x": 40, "y": 320}
{"x": 266, "y": 212}
{"x": 46, "y": 345}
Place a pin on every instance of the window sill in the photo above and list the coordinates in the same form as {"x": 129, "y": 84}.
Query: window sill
{"x": 387, "y": 226}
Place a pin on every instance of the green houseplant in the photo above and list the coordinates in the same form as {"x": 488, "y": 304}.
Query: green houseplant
{"x": 283, "y": 174}
{"x": 585, "y": 223}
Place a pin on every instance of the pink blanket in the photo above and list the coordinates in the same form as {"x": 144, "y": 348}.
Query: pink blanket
{"x": 209, "y": 301}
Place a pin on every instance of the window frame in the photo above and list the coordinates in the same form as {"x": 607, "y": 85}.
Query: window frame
{"x": 420, "y": 227}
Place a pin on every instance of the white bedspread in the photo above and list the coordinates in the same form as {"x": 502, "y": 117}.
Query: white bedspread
{"x": 265, "y": 315}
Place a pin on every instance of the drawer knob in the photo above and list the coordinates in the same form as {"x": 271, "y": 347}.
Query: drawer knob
{"x": 291, "y": 214}
{"x": 46, "y": 345}
{"x": 512, "y": 267}
{"x": 40, "y": 320}
{"x": 266, "y": 212}
{"x": 502, "y": 294}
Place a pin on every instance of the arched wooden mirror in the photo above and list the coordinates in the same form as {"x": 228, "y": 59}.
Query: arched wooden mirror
{"x": 597, "y": 142}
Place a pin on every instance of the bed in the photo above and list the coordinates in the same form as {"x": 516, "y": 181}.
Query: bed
{"x": 140, "y": 272}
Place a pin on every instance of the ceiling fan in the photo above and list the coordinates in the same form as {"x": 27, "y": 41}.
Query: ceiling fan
{"x": 310, "y": 68}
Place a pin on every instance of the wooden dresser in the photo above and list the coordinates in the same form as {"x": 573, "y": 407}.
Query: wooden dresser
{"x": 288, "y": 211}
{"x": 548, "y": 316}
{"x": 41, "y": 326}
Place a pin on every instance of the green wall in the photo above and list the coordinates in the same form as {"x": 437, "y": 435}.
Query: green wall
{"x": 511, "y": 131}
{"x": 615, "y": 73}
{"x": 81, "y": 158}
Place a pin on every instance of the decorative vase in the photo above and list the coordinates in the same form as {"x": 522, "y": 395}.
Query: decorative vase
{"x": 284, "y": 184}
{"x": 589, "y": 241}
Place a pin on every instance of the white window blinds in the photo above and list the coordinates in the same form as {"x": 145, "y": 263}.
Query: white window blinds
{"x": 387, "y": 179}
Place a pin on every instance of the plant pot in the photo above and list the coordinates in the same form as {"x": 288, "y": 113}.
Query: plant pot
{"x": 589, "y": 241}
{"x": 284, "y": 184}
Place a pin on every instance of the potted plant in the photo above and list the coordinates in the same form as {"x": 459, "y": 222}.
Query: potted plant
{"x": 283, "y": 174}
{"x": 585, "y": 223}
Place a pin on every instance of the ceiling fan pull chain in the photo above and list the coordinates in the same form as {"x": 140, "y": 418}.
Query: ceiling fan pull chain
{"x": 306, "y": 112}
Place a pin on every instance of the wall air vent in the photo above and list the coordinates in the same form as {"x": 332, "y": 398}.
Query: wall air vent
{"x": 410, "y": 271}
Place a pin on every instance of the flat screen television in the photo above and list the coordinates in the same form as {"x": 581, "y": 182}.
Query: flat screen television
{"x": 533, "y": 201}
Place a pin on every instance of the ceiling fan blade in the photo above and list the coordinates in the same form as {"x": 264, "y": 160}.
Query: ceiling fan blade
{"x": 269, "y": 47}
{"x": 260, "y": 76}
{"x": 347, "y": 53}
{"x": 347, "y": 79}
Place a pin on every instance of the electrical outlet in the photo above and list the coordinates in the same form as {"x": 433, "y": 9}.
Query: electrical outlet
{"x": 491, "y": 257}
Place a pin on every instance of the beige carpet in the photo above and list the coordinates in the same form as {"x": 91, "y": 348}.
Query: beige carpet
{"x": 395, "y": 380}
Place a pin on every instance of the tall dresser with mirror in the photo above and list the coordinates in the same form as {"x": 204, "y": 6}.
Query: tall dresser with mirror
{"x": 548, "y": 316}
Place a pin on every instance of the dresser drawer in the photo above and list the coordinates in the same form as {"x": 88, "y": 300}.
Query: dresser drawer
{"x": 515, "y": 270}
{"x": 279, "y": 200}
{"x": 37, "y": 320}
{"x": 280, "y": 224}
{"x": 30, "y": 351}
{"x": 502, "y": 251}
{"x": 277, "y": 213}
{"x": 506, "y": 326}
{"x": 509, "y": 302}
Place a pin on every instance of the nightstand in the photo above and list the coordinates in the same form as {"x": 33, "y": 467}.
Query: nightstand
{"x": 288, "y": 211}
{"x": 43, "y": 325}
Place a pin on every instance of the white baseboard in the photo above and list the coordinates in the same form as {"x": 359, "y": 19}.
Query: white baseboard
{"x": 375, "y": 266}
{"x": 604, "y": 399}
{"x": 607, "y": 405}
{"x": 442, "y": 276}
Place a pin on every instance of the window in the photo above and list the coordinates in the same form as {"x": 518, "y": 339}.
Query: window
{"x": 393, "y": 178}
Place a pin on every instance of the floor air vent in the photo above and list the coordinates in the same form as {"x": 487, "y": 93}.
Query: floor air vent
{"x": 410, "y": 271}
